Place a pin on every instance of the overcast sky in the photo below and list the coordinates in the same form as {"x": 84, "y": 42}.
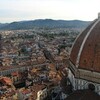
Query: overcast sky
{"x": 16, "y": 10}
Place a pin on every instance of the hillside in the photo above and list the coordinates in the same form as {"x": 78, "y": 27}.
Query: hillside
{"x": 49, "y": 23}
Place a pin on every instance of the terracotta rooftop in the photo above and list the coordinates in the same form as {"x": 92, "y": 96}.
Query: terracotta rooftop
{"x": 35, "y": 89}
{"x": 26, "y": 91}
{"x": 14, "y": 73}
{"x": 6, "y": 80}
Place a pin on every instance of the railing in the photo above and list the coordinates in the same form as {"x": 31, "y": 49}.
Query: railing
{"x": 83, "y": 84}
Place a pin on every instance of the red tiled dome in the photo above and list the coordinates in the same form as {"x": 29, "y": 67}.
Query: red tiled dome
{"x": 85, "y": 52}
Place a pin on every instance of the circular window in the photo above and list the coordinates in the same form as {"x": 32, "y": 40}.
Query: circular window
{"x": 91, "y": 87}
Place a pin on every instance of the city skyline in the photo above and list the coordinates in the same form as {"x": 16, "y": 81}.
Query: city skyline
{"x": 19, "y": 10}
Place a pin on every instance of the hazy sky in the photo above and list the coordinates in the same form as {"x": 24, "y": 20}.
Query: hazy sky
{"x": 16, "y": 10}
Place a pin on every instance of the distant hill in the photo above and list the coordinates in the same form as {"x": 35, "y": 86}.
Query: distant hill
{"x": 3, "y": 25}
{"x": 49, "y": 23}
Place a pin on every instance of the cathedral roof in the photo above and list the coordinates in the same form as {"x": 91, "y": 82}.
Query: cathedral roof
{"x": 85, "y": 53}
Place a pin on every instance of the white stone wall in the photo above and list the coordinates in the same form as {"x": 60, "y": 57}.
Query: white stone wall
{"x": 71, "y": 78}
{"x": 80, "y": 84}
{"x": 42, "y": 94}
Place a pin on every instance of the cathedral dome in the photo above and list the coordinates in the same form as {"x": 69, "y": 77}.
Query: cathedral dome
{"x": 85, "y": 53}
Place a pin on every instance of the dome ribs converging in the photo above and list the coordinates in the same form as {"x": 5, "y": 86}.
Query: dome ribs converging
{"x": 90, "y": 57}
{"x": 77, "y": 44}
{"x": 85, "y": 52}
